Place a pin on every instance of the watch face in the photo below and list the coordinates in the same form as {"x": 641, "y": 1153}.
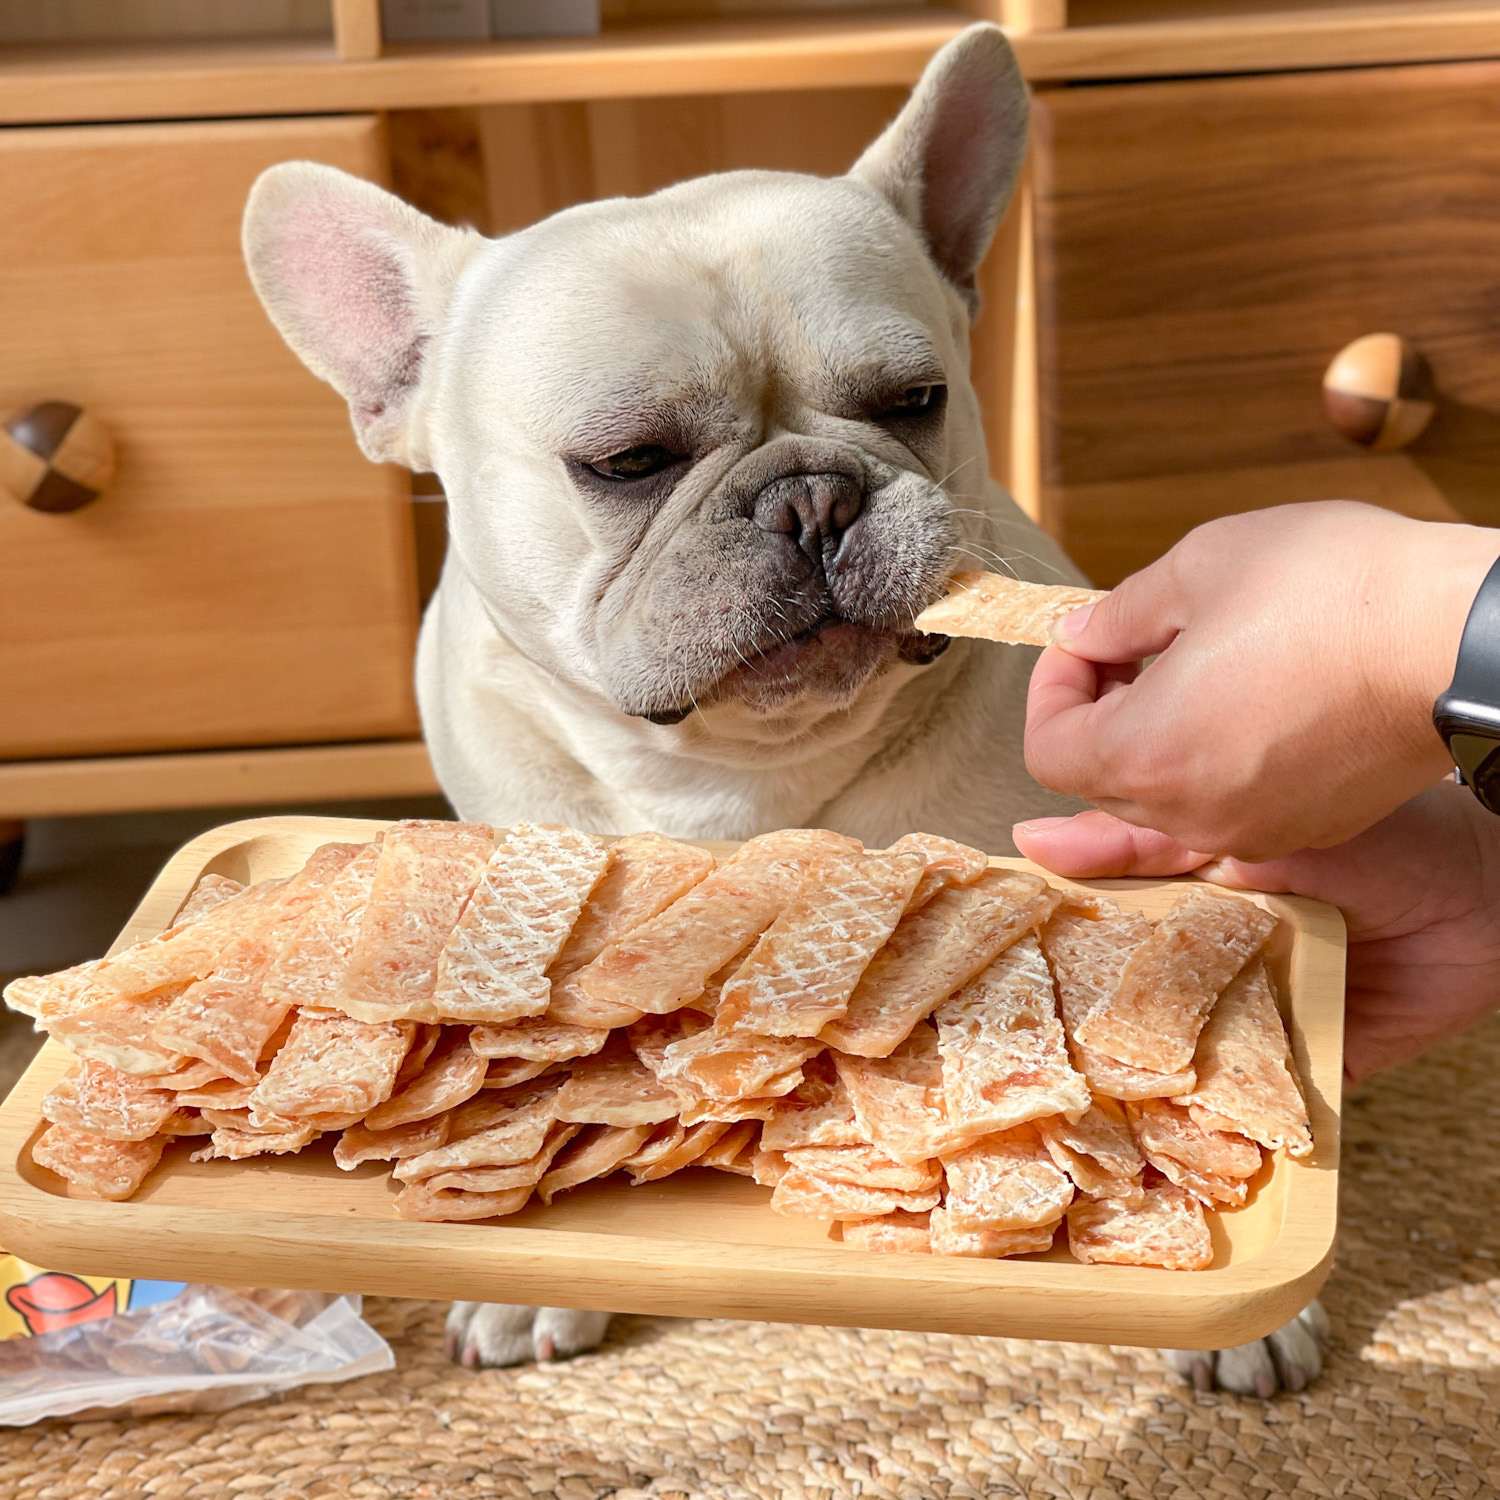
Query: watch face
{"x": 1478, "y": 757}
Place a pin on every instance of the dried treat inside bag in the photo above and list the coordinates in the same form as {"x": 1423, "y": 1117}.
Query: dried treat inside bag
{"x": 804, "y": 1195}
{"x": 494, "y": 1130}
{"x": 899, "y": 1233}
{"x": 1098, "y": 1150}
{"x": 1005, "y": 1058}
{"x": 419, "y": 1201}
{"x": 947, "y": 863}
{"x": 538, "y": 1039}
{"x": 898, "y": 1101}
{"x": 454, "y": 1072}
{"x": 494, "y": 967}
{"x": 802, "y": 971}
{"x": 1171, "y": 981}
{"x": 596, "y": 1152}
{"x": 988, "y": 1244}
{"x": 423, "y": 879}
{"x": 330, "y": 1064}
{"x": 94, "y": 1167}
{"x": 1244, "y": 1068}
{"x": 993, "y": 607}
{"x": 1168, "y": 1229}
{"x": 818, "y": 1112}
{"x": 359, "y": 1143}
{"x": 1087, "y": 946}
{"x": 1005, "y": 1181}
{"x": 615, "y": 1088}
{"x": 934, "y": 952}
{"x": 100, "y": 1100}
{"x": 865, "y": 1165}
{"x": 666, "y": 962}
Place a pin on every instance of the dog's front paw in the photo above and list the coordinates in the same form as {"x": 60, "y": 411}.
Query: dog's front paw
{"x": 482, "y": 1334}
{"x": 1288, "y": 1360}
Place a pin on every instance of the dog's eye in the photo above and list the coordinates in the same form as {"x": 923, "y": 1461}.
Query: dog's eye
{"x": 635, "y": 463}
{"x": 915, "y": 401}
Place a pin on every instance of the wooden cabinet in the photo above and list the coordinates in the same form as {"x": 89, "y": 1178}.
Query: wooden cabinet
{"x": 1207, "y": 246}
{"x": 247, "y": 578}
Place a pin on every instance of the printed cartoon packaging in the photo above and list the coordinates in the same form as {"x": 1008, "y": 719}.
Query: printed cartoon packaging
{"x": 102, "y": 1345}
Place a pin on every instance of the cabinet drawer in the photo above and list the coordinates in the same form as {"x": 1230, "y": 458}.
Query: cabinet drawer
{"x": 1206, "y": 247}
{"x": 247, "y": 577}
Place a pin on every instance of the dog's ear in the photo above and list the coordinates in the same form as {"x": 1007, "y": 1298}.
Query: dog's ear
{"x": 358, "y": 283}
{"x": 948, "y": 163}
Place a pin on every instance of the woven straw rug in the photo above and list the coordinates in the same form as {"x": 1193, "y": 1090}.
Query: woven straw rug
{"x": 1409, "y": 1404}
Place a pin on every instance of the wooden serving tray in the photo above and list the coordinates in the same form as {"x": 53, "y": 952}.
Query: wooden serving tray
{"x": 701, "y": 1243}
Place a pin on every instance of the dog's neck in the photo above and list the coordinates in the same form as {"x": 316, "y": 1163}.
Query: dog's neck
{"x": 523, "y": 743}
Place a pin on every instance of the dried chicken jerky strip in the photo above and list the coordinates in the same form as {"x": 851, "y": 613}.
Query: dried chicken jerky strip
{"x": 454, "y": 1073}
{"x": 818, "y": 1112}
{"x": 211, "y": 891}
{"x": 538, "y": 1039}
{"x": 1164, "y": 1129}
{"x": 729, "y": 1111}
{"x": 947, "y": 1238}
{"x": 992, "y": 607}
{"x": 1005, "y": 1058}
{"x": 935, "y": 951}
{"x": 899, "y": 1102}
{"x": 866, "y": 1165}
{"x": 94, "y": 1167}
{"x": 736, "y": 1065}
{"x": 568, "y": 1005}
{"x": 646, "y": 874}
{"x": 1087, "y": 946}
{"x": 1210, "y": 1189}
{"x": 227, "y": 1018}
{"x": 615, "y": 1088}
{"x": 1168, "y": 1230}
{"x": 221, "y": 1093}
{"x": 948, "y": 863}
{"x": 507, "y": 1072}
{"x": 597, "y": 1152}
{"x": 420, "y": 1202}
{"x": 504, "y": 1179}
{"x": 900, "y": 1233}
{"x": 185, "y": 1122}
{"x": 100, "y": 1100}
{"x": 666, "y": 962}
{"x": 423, "y": 1044}
{"x": 193, "y": 1074}
{"x": 359, "y": 1143}
{"x": 1098, "y": 1151}
{"x": 803, "y": 1195}
{"x": 801, "y": 973}
{"x": 491, "y": 1131}
{"x": 423, "y": 879}
{"x": 332, "y": 1064}
{"x": 229, "y": 1143}
{"x": 707, "y": 1004}
{"x": 767, "y": 1167}
{"x": 732, "y": 1151}
{"x": 494, "y": 967}
{"x": 1244, "y": 1068}
{"x": 1171, "y": 981}
{"x": 1005, "y": 1181}
{"x": 671, "y": 1147}
{"x": 118, "y": 1032}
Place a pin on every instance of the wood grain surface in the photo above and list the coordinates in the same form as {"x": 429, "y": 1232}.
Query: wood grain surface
{"x": 691, "y": 1245}
{"x": 247, "y": 578}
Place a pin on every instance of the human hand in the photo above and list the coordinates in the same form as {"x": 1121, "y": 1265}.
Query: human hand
{"x": 1420, "y": 894}
{"x": 1298, "y": 652}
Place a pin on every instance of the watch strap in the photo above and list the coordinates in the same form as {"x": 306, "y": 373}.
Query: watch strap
{"x": 1467, "y": 715}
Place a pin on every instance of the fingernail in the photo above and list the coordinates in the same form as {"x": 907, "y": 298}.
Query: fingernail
{"x": 1039, "y": 825}
{"x": 1070, "y": 627}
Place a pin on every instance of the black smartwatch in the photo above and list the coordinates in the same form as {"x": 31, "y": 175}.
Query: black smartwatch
{"x": 1468, "y": 714}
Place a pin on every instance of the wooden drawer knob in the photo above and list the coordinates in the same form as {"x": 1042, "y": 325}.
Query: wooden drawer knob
{"x": 1378, "y": 392}
{"x": 55, "y": 457}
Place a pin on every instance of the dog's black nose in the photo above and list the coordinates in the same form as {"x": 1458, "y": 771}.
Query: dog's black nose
{"x": 814, "y": 509}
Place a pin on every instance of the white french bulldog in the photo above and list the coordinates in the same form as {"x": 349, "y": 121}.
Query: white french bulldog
{"x": 707, "y": 454}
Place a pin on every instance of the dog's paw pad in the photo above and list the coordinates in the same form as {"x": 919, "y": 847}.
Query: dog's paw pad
{"x": 488, "y": 1335}
{"x": 1289, "y": 1360}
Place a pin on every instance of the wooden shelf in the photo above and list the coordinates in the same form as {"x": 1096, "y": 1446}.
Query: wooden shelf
{"x": 215, "y": 778}
{"x": 48, "y": 84}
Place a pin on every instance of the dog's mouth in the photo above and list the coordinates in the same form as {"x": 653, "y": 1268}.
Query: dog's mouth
{"x": 831, "y": 660}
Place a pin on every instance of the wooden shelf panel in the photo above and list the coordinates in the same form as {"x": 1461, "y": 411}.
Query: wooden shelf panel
{"x": 47, "y": 84}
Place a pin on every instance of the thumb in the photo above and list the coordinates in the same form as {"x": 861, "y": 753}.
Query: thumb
{"x": 1096, "y": 845}
{"x": 1137, "y": 619}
